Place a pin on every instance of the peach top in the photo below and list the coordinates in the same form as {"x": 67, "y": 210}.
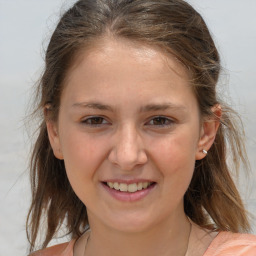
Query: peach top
{"x": 224, "y": 244}
{"x": 227, "y": 243}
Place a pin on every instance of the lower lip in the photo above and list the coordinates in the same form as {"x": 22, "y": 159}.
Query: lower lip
{"x": 129, "y": 196}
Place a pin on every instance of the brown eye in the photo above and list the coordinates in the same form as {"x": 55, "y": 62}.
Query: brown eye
{"x": 160, "y": 121}
{"x": 95, "y": 120}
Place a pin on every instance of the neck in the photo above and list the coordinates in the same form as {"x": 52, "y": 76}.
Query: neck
{"x": 167, "y": 238}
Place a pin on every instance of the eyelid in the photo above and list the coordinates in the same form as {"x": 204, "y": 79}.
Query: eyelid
{"x": 167, "y": 121}
{"x": 170, "y": 121}
{"x": 85, "y": 119}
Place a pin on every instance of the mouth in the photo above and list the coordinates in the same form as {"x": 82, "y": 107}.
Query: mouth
{"x": 131, "y": 188}
{"x": 130, "y": 191}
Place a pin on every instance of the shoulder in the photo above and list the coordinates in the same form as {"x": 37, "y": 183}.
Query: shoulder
{"x": 65, "y": 249}
{"x": 227, "y": 243}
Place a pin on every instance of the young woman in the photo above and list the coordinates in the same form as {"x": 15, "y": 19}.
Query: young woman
{"x": 132, "y": 147}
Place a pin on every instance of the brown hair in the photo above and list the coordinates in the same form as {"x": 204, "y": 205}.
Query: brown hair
{"x": 212, "y": 200}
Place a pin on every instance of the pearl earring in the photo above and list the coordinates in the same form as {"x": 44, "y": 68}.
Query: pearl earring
{"x": 205, "y": 151}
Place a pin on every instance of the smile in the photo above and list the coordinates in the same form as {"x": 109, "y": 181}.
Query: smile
{"x": 134, "y": 187}
{"x": 129, "y": 191}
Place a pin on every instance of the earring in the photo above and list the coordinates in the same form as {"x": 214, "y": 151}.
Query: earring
{"x": 205, "y": 151}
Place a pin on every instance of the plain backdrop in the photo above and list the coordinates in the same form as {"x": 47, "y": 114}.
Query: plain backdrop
{"x": 25, "y": 27}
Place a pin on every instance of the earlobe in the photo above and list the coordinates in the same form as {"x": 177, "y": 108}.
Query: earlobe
{"x": 208, "y": 133}
{"x": 54, "y": 139}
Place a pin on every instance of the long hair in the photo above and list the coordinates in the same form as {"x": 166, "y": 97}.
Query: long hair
{"x": 212, "y": 199}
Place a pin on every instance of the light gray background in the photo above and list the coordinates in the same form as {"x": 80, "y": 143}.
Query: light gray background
{"x": 25, "y": 26}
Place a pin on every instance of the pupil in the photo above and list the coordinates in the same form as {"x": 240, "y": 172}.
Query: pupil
{"x": 96, "y": 120}
{"x": 159, "y": 121}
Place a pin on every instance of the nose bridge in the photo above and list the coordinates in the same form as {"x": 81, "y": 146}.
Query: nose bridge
{"x": 128, "y": 141}
{"x": 128, "y": 149}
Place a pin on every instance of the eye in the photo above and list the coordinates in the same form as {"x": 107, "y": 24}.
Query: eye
{"x": 95, "y": 121}
{"x": 160, "y": 121}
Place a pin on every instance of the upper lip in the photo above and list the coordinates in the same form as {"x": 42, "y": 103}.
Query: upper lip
{"x": 131, "y": 181}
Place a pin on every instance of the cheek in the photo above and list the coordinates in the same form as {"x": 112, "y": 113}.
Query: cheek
{"x": 175, "y": 153}
{"x": 82, "y": 155}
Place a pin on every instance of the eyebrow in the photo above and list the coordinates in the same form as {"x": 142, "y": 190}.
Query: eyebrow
{"x": 146, "y": 108}
{"x": 93, "y": 105}
{"x": 162, "y": 107}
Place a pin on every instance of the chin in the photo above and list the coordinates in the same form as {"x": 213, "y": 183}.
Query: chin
{"x": 132, "y": 223}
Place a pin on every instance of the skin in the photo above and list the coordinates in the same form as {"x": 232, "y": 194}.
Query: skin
{"x": 148, "y": 127}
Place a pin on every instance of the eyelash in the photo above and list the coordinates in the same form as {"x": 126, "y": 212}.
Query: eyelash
{"x": 89, "y": 121}
{"x": 163, "y": 121}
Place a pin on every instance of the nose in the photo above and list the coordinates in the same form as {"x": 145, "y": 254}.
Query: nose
{"x": 127, "y": 151}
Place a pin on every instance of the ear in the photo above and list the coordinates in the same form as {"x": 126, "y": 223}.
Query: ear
{"x": 208, "y": 132}
{"x": 52, "y": 130}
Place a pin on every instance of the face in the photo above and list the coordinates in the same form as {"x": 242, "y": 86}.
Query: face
{"x": 129, "y": 131}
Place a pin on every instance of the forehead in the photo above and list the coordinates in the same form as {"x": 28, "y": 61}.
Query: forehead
{"x": 107, "y": 49}
{"x": 123, "y": 72}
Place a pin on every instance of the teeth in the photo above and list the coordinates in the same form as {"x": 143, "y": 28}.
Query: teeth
{"x": 139, "y": 186}
{"x": 123, "y": 187}
{"x": 111, "y": 184}
{"x": 132, "y": 187}
{"x": 144, "y": 184}
{"x": 116, "y": 186}
{"x": 129, "y": 188}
